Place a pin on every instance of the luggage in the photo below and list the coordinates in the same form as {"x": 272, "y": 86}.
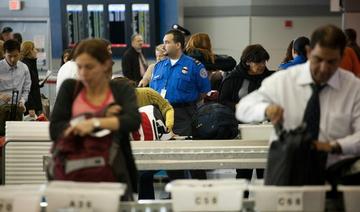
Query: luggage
{"x": 10, "y": 112}
{"x": 92, "y": 158}
{"x": 152, "y": 125}
{"x": 214, "y": 121}
{"x": 293, "y": 160}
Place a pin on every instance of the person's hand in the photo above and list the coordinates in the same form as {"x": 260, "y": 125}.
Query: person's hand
{"x": 32, "y": 113}
{"x": 5, "y": 97}
{"x": 275, "y": 113}
{"x": 323, "y": 146}
{"x": 113, "y": 110}
{"x": 22, "y": 107}
{"x": 143, "y": 83}
{"x": 82, "y": 128}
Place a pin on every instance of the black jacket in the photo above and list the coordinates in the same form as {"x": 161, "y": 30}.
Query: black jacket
{"x": 222, "y": 62}
{"x": 129, "y": 118}
{"x": 34, "y": 99}
{"x": 130, "y": 64}
{"x": 231, "y": 85}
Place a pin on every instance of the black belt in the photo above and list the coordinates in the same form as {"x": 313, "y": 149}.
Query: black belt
{"x": 185, "y": 104}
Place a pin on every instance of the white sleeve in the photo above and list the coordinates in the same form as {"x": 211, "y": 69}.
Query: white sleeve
{"x": 252, "y": 107}
{"x": 350, "y": 144}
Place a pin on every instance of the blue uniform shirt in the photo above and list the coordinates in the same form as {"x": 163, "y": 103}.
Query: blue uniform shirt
{"x": 297, "y": 60}
{"x": 183, "y": 82}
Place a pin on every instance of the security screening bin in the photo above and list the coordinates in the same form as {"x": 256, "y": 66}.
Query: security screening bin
{"x": 289, "y": 198}
{"x": 351, "y": 197}
{"x": 207, "y": 195}
{"x": 256, "y": 131}
{"x": 80, "y": 196}
{"x": 20, "y": 198}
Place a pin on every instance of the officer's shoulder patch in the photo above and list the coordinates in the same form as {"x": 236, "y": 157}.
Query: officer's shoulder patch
{"x": 203, "y": 73}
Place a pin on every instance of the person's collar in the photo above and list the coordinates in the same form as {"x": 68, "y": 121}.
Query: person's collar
{"x": 305, "y": 77}
{"x": 137, "y": 51}
{"x": 334, "y": 81}
{"x": 180, "y": 60}
{"x": 8, "y": 66}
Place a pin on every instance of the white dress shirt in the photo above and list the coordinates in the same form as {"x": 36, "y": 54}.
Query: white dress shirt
{"x": 67, "y": 71}
{"x": 14, "y": 78}
{"x": 290, "y": 89}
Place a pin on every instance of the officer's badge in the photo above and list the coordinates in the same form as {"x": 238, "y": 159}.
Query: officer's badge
{"x": 203, "y": 73}
{"x": 185, "y": 70}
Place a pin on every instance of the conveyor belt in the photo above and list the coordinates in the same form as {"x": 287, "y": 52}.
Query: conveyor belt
{"x": 202, "y": 154}
{"x": 28, "y": 144}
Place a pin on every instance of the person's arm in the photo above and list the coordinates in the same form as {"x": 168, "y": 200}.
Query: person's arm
{"x": 165, "y": 107}
{"x": 226, "y": 93}
{"x": 252, "y": 108}
{"x": 127, "y": 65}
{"x": 26, "y": 86}
{"x": 129, "y": 117}
{"x": 350, "y": 145}
{"x": 355, "y": 63}
{"x": 202, "y": 80}
{"x": 169, "y": 120}
{"x": 147, "y": 76}
{"x": 61, "y": 114}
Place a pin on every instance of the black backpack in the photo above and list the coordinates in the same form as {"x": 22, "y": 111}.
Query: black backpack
{"x": 214, "y": 121}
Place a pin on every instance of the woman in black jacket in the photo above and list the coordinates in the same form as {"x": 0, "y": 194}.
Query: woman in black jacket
{"x": 94, "y": 93}
{"x": 28, "y": 56}
{"x": 246, "y": 77}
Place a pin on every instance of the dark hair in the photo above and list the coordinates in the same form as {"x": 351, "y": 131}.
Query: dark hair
{"x": 17, "y": 36}
{"x": 96, "y": 48}
{"x": 126, "y": 80}
{"x": 253, "y": 53}
{"x": 288, "y": 54}
{"x": 11, "y": 45}
{"x": 66, "y": 51}
{"x": 6, "y": 30}
{"x": 300, "y": 44}
{"x": 178, "y": 36}
{"x": 350, "y": 35}
{"x": 329, "y": 36}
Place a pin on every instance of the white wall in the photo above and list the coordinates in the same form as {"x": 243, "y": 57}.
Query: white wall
{"x": 256, "y": 21}
{"x": 271, "y": 33}
{"x": 229, "y": 35}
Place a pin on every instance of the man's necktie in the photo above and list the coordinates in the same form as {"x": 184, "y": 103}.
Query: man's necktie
{"x": 312, "y": 112}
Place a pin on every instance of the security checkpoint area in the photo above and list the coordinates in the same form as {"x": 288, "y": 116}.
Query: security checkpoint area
{"x": 179, "y": 106}
{"x": 27, "y": 153}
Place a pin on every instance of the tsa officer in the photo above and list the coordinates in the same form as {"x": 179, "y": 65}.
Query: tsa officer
{"x": 181, "y": 80}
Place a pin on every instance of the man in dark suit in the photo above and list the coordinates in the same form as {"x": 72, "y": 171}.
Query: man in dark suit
{"x": 133, "y": 63}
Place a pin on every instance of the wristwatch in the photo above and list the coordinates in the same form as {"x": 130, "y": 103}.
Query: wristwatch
{"x": 335, "y": 147}
{"x": 96, "y": 123}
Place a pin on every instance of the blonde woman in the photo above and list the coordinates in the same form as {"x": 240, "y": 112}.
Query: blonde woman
{"x": 28, "y": 56}
{"x": 160, "y": 54}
